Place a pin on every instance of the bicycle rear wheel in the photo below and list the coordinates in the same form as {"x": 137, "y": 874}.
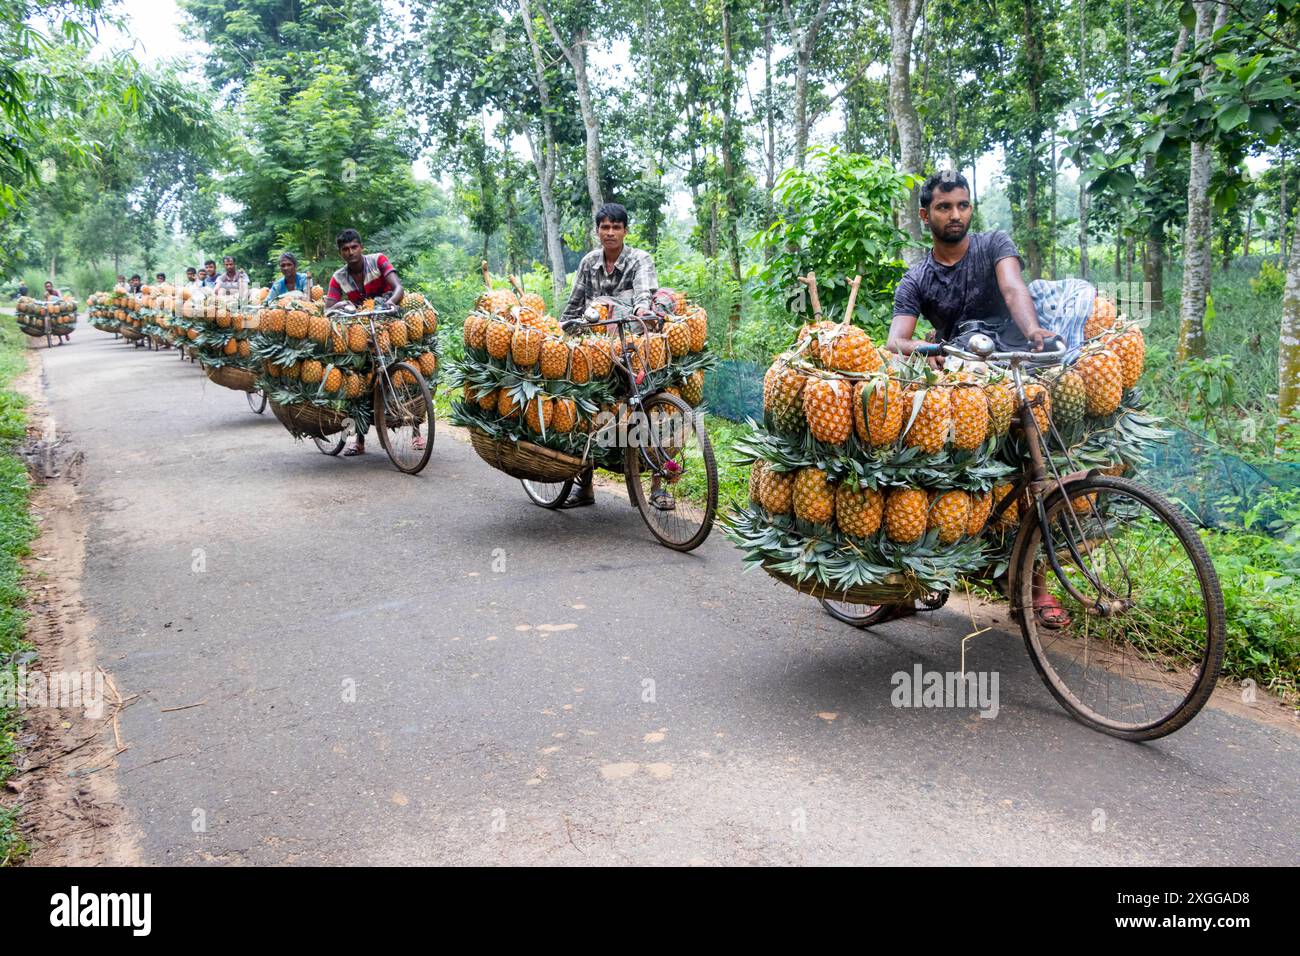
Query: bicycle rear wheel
{"x": 547, "y": 494}
{"x": 1143, "y": 646}
{"x": 671, "y": 475}
{"x": 332, "y": 444}
{"x": 404, "y": 417}
{"x": 856, "y": 615}
{"x": 256, "y": 400}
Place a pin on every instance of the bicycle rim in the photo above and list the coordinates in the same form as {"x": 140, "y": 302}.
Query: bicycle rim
{"x": 547, "y": 494}
{"x": 855, "y": 615}
{"x": 671, "y": 452}
{"x": 404, "y": 417}
{"x": 1144, "y": 644}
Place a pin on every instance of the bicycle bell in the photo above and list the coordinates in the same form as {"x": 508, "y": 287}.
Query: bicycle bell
{"x": 980, "y": 344}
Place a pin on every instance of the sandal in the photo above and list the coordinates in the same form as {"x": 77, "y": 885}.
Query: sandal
{"x": 354, "y": 450}
{"x": 662, "y": 500}
{"x": 417, "y": 443}
{"x": 1049, "y": 613}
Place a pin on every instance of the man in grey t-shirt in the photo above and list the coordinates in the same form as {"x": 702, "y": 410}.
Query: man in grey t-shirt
{"x": 968, "y": 282}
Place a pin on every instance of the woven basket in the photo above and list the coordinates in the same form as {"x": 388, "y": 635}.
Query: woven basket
{"x": 130, "y": 333}
{"x": 309, "y": 420}
{"x": 524, "y": 460}
{"x": 33, "y": 330}
{"x": 230, "y": 376}
{"x": 896, "y": 589}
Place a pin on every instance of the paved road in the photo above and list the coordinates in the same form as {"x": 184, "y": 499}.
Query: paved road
{"x": 429, "y": 669}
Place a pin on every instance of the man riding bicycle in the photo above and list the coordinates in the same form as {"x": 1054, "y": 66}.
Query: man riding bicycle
{"x": 363, "y": 276}
{"x": 617, "y": 271}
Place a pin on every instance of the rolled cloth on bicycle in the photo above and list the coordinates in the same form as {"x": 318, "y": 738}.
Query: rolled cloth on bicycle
{"x": 1062, "y": 306}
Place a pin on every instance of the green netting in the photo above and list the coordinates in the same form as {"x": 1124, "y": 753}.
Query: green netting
{"x": 1214, "y": 486}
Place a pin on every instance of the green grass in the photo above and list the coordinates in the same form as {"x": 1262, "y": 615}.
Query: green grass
{"x": 16, "y": 532}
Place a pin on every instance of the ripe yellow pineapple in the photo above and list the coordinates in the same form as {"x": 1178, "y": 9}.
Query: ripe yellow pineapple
{"x": 693, "y": 388}
{"x": 526, "y": 346}
{"x": 950, "y": 513}
{"x": 697, "y": 320}
{"x": 1131, "y": 348}
{"x": 981, "y": 503}
{"x": 776, "y": 489}
{"x": 497, "y": 302}
{"x": 813, "y": 333}
{"x": 352, "y": 387}
{"x": 312, "y": 372}
{"x": 428, "y": 363}
{"x": 507, "y": 406}
{"x": 679, "y": 337}
{"x": 1102, "y": 318}
{"x": 430, "y": 322}
{"x": 539, "y": 411}
{"x": 970, "y": 416}
{"x": 788, "y": 386}
{"x": 565, "y": 417}
{"x": 881, "y": 420}
{"x": 358, "y": 337}
{"x": 828, "y": 406}
{"x": 488, "y": 399}
{"x": 497, "y": 339}
{"x": 1001, "y": 398}
{"x": 756, "y": 481}
{"x": 1103, "y": 379}
{"x": 296, "y": 324}
{"x": 554, "y": 358}
{"x": 580, "y": 362}
{"x": 933, "y": 423}
{"x": 396, "y": 333}
{"x": 858, "y": 511}
{"x": 231, "y": 347}
{"x": 1011, "y": 517}
{"x": 414, "y": 326}
{"x": 1040, "y": 405}
{"x": 849, "y": 349}
{"x": 333, "y": 380}
{"x": 245, "y": 350}
{"x": 905, "y": 515}
{"x": 814, "y": 496}
{"x": 475, "y": 330}
{"x": 318, "y": 328}
{"x": 317, "y": 293}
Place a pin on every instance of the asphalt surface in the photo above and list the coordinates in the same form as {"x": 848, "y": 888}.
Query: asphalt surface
{"x": 420, "y": 670}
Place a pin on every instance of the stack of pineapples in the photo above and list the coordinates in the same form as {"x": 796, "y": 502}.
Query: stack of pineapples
{"x": 32, "y": 313}
{"x": 101, "y": 311}
{"x": 306, "y": 357}
{"x": 871, "y": 471}
{"x": 217, "y": 329}
{"x": 523, "y": 378}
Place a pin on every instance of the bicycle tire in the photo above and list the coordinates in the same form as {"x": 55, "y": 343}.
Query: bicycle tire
{"x": 256, "y": 401}
{"x": 1204, "y": 672}
{"x": 332, "y": 445}
{"x": 871, "y": 615}
{"x": 635, "y": 457}
{"x": 540, "y": 492}
{"x": 412, "y": 465}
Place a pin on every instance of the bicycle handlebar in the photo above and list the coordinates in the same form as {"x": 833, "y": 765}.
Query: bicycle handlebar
{"x": 977, "y": 354}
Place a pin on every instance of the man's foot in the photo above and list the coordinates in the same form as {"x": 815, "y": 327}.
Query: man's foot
{"x": 356, "y": 448}
{"x": 418, "y": 443}
{"x": 1049, "y": 613}
{"x": 580, "y": 496}
{"x": 662, "y": 500}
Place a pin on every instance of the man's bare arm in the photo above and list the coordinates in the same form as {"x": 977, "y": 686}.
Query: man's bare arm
{"x": 901, "y": 330}
{"x": 395, "y": 291}
{"x": 1016, "y": 294}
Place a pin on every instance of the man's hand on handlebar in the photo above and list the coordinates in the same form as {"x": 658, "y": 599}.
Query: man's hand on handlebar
{"x": 1040, "y": 338}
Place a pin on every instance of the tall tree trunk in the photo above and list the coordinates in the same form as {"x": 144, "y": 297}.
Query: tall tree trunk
{"x": 803, "y": 41}
{"x": 1034, "y": 63}
{"x": 575, "y": 52}
{"x": 769, "y": 139}
{"x": 1083, "y": 94}
{"x": 1051, "y": 228}
{"x": 902, "y": 111}
{"x": 546, "y": 161}
{"x": 1282, "y": 217}
{"x": 1288, "y": 359}
{"x": 1196, "y": 234}
{"x": 728, "y": 155}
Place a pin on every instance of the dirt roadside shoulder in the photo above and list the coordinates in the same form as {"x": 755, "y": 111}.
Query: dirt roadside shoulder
{"x": 65, "y": 781}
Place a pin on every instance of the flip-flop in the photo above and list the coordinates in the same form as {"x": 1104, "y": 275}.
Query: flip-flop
{"x": 663, "y": 501}
{"x": 1049, "y": 613}
{"x": 353, "y": 452}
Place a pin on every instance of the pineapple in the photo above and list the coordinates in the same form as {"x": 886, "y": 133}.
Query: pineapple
{"x": 475, "y": 330}
{"x": 338, "y": 341}
{"x": 317, "y": 293}
{"x": 312, "y": 372}
{"x": 1103, "y": 380}
{"x": 1001, "y": 397}
{"x": 295, "y": 324}
{"x": 580, "y": 362}
{"x": 554, "y": 358}
{"x": 1083, "y": 504}
{"x": 352, "y": 387}
{"x": 849, "y": 349}
{"x": 430, "y": 322}
{"x": 428, "y": 363}
{"x": 533, "y": 302}
{"x": 970, "y": 416}
{"x": 1102, "y": 317}
{"x": 858, "y": 511}
{"x": 697, "y": 320}
{"x": 539, "y": 412}
{"x": 905, "y": 515}
{"x": 933, "y": 423}
{"x": 814, "y": 496}
{"x": 231, "y": 347}
{"x": 879, "y": 420}
{"x": 358, "y": 339}
{"x": 497, "y": 339}
{"x": 1011, "y": 517}
{"x": 679, "y": 338}
{"x": 565, "y": 417}
{"x": 318, "y": 328}
{"x": 1131, "y": 348}
{"x": 396, "y": 333}
{"x": 525, "y": 346}
{"x": 981, "y": 503}
{"x": 497, "y": 302}
{"x": 828, "y": 406}
{"x": 776, "y": 490}
{"x": 950, "y": 513}
{"x": 488, "y": 400}
{"x": 1039, "y": 400}
{"x": 813, "y": 333}
{"x": 507, "y": 406}
{"x": 414, "y": 326}
{"x": 787, "y": 399}
{"x": 1069, "y": 397}
{"x": 756, "y": 481}
{"x": 693, "y": 388}
{"x": 245, "y": 350}
{"x": 333, "y": 380}
{"x": 414, "y": 300}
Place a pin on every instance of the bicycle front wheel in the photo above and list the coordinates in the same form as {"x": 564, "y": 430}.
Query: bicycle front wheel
{"x": 671, "y": 475}
{"x": 404, "y": 417}
{"x": 256, "y": 400}
{"x": 856, "y": 615}
{"x": 1137, "y": 645}
{"x": 547, "y": 494}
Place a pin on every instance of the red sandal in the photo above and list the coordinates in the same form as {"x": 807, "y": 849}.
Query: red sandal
{"x": 1049, "y": 613}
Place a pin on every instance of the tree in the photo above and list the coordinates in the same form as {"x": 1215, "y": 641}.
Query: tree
{"x": 902, "y": 22}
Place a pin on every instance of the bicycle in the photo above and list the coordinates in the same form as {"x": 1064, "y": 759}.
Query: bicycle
{"x": 670, "y": 447}
{"x": 403, "y": 405}
{"x": 1131, "y": 662}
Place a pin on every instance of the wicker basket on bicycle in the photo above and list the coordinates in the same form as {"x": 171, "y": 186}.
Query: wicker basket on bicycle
{"x": 525, "y": 460}
{"x": 309, "y": 421}
{"x": 232, "y": 377}
{"x": 893, "y": 589}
